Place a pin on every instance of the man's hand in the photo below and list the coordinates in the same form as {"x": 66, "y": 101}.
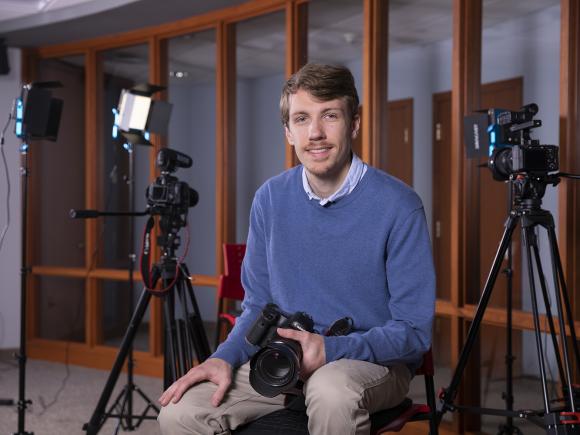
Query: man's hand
{"x": 313, "y": 352}
{"x": 215, "y": 370}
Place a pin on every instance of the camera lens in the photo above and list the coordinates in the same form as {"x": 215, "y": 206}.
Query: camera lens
{"x": 276, "y": 367}
{"x": 501, "y": 164}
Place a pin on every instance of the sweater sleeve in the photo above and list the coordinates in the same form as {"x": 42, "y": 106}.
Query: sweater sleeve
{"x": 255, "y": 280}
{"x": 411, "y": 295}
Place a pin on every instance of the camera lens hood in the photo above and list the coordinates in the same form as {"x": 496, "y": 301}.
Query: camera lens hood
{"x": 276, "y": 367}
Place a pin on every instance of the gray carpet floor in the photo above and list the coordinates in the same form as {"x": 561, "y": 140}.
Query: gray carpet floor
{"x": 63, "y": 399}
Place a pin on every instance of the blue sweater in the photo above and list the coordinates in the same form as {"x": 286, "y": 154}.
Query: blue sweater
{"x": 367, "y": 256}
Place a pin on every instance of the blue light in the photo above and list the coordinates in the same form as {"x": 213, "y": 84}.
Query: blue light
{"x": 115, "y": 131}
{"x": 146, "y": 135}
{"x": 128, "y": 147}
{"x": 19, "y": 117}
{"x": 492, "y": 137}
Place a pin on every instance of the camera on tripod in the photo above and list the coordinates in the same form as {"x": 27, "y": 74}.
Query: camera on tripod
{"x": 167, "y": 196}
{"x": 505, "y": 136}
{"x": 275, "y": 369}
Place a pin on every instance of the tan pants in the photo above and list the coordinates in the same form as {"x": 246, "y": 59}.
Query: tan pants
{"x": 339, "y": 398}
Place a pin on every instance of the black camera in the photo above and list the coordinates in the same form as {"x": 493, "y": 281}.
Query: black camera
{"x": 508, "y": 143}
{"x": 167, "y": 195}
{"x": 275, "y": 368}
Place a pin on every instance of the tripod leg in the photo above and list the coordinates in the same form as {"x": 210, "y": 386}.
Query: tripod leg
{"x": 555, "y": 258}
{"x": 200, "y": 341}
{"x": 528, "y": 239}
{"x": 186, "y": 337}
{"x": 449, "y": 393}
{"x": 97, "y": 419}
{"x": 170, "y": 340}
{"x": 549, "y": 316}
{"x": 566, "y": 299}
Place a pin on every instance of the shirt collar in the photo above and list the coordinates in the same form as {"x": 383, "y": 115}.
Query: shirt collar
{"x": 355, "y": 173}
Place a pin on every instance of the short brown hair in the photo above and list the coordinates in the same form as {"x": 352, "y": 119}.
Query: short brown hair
{"x": 325, "y": 82}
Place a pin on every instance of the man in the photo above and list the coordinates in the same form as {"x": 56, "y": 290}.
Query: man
{"x": 334, "y": 238}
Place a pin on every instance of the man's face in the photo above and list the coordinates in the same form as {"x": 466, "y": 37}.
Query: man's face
{"x": 321, "y": 133}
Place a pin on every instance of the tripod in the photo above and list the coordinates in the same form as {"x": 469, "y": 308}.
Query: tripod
{"x": 527, "y": 211}
{"x": 184, "y": 333}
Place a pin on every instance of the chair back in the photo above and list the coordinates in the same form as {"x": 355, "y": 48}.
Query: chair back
{"x": 230, "y": 283}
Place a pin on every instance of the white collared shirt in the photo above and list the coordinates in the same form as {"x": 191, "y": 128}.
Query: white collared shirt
{"x": 355, "y": 173}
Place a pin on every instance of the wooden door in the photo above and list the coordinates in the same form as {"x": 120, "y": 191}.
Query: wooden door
{"x": 399, "y": 146}
{"x": 399, "y": 150}
{"x": 506, "y": 94}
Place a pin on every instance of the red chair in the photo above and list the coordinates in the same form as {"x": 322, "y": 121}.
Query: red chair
{"x": 413, "y": 411}
{"x": 230, "y": 288}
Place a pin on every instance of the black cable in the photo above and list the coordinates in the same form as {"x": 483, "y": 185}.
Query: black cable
{"x": 4, "y": 161}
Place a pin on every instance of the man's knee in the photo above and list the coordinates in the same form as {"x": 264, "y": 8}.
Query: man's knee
{"x": 331, "y": 387}
{"x": 185, "y": 418}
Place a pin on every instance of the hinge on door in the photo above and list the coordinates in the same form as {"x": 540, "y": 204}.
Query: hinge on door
{"x": 406, "y": 135}
{"x": 437, "y": 229}
{"x": 438, "y": 131}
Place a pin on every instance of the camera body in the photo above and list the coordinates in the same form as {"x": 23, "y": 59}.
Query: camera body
{"x": 167, "y": 196}
{"x": 275, "y": 368}
{"x": 168, "y": 192}
{"x": 511, "y": 148}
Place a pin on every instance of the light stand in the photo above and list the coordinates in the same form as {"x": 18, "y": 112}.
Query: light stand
{"x": 37, "y": 118}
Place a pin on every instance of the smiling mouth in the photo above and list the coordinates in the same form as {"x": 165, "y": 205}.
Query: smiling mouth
{"x": 319, "y": 150}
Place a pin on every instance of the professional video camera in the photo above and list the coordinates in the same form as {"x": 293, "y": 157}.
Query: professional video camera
{"x": 510, "y": 147}
{"x": 275, "y": 369}
{"x": 167, "y": 196}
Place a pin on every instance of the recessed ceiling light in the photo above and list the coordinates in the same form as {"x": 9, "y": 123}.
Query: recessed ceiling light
{"x": 178, "y": 74}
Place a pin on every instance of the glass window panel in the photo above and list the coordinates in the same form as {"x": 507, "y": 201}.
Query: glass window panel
{"x": 521, "y": 49}
{"x": 118, "y": 308}
{"x": 61, "y": 308}
{"x": 59, "y": 179}
{"x": 419, "y": 113}
{"x": 192, "y": 129}
{"x": 260, "y": 142}
{"x": 335, "y": 35}
{"x": 122, "y": 68}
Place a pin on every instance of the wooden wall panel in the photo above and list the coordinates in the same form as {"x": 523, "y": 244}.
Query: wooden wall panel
{"x": 375, "y": 84}
{"x": 225, "y": 139}
{"x": 296, "y": 51}
{"x": 569, "y": 190}
{"x": 466, "y": 83}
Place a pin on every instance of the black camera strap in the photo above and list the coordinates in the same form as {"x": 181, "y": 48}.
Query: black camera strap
{"x": 340, "y": 327}
{"x": 145, "y": 262}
